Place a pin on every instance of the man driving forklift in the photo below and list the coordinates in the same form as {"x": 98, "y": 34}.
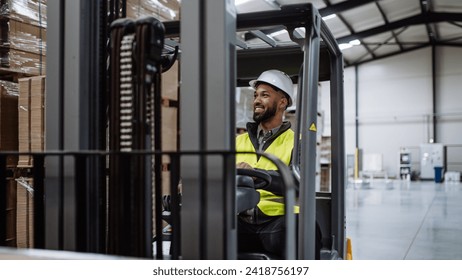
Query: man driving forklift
{"x": 262, "y": 229}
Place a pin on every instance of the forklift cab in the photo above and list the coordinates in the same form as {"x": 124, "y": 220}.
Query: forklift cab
{"x": 212, "y": 66}
{"x": 229, "y": 51}
{"x": 307, "y": 58}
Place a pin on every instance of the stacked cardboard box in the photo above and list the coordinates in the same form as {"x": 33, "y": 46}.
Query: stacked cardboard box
{"x": 9, "y": 120}
{"x": 22, "y": 53}
{"x": 169, "y": 119}
{"x": 165, "y": 10}
{"x": 31, "y": 118}
{"x": 23, "y": 36}
{"x": 9, "y": 142}
{"x": 31, "y": 11}
{"x": 170, "y": 89}
{"x": 24, "y": 213}
{"x": 11, "y": 213}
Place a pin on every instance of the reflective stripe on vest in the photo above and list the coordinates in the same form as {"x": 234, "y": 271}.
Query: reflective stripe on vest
{"x": 270, "y": 204}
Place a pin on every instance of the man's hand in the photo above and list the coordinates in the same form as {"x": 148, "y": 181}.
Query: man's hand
{"x": 243, "y": 165}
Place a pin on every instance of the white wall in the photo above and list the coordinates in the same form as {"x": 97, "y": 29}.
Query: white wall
{"x": 395, "y": 103}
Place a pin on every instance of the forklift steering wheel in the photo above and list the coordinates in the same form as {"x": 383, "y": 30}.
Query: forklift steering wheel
{"x": 263, "y": 179}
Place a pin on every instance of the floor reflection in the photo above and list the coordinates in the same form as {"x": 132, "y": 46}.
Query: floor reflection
{"x": 396, "y": 220}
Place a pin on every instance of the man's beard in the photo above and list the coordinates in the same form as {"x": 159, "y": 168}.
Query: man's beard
{"x": 265, "y": 115}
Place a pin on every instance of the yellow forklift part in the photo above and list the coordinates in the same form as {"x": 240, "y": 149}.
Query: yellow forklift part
{"x": 349, "y": 250}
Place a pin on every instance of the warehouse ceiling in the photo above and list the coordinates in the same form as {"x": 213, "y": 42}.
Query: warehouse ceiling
{"x": 367, "y": 30}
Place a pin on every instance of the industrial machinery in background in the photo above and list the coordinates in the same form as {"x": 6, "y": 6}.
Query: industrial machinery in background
{"x": 405, "y": 166}
{"x": 103, "y": 171}
{"x": 432, "y": 161}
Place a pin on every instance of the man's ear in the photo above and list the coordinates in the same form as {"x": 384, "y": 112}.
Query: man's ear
{"x": 284, "y": 103}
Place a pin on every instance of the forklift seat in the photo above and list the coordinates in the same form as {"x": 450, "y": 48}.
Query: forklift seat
{"x": 246, "y": 198}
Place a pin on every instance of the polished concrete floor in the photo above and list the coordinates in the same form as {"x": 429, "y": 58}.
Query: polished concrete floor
{"x": 401, "y": 220}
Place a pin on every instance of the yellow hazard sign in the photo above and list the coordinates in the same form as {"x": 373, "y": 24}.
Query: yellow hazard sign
{"x": 313, "y": 127}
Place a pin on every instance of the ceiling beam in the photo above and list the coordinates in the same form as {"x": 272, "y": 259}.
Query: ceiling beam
{"x": 264, "y": 37}
{"x": 384, "y": 16}
{"x": 330, "y": 9}
{"x": 430, "y": 17}
{"x": 381, "y": 44}
{"x": 357, "y": 62}
{"x": 449, "y": 44}
{"x": 343, "y": 6}
{"x": 450, "y": 40}
{"x": 348, "y": 25}
{"x": 426, "y": 7}
{"x": 421, "y": 46}
{"x": 455, "y": 23}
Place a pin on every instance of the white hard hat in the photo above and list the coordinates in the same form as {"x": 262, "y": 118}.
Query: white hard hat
{"x": 278, "y": 79}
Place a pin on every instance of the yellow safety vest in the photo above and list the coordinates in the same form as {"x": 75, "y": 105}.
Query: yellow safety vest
{"x": 270, "y": 204}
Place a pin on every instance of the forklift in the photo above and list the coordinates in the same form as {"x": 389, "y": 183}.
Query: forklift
{"x": 99, "y": 184}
